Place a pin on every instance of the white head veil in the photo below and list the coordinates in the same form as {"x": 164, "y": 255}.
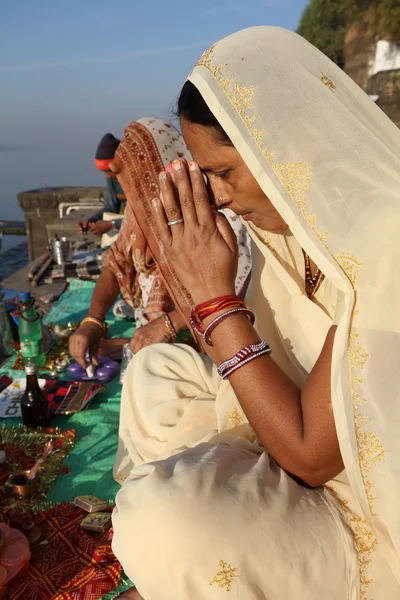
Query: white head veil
{"x": 329, "y": 160}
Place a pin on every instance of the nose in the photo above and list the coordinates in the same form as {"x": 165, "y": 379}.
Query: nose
{"x": 218, "y": 195}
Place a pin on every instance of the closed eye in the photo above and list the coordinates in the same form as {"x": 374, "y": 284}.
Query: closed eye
{"x": 223, "y": 174}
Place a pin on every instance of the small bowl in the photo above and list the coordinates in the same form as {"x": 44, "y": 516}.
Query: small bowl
{"x": 21, "y": 485}
{"x": 15, "y": 558}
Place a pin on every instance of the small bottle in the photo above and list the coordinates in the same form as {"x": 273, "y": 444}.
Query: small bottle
{"x": 30, "y": 332}
{"x": 35, "y": 409}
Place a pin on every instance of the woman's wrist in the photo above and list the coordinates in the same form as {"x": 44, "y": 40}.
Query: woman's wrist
{"x": 237, "y": 326}
{"x": 208, "y": 294}
{"x": 177, "y": 321}
{"x": 95, "y": 322}
{"x": 97, "y": 313}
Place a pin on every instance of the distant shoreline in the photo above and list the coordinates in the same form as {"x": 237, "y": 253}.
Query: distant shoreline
{"x": 10, "y": 227}
{"x": 21, "y": 232}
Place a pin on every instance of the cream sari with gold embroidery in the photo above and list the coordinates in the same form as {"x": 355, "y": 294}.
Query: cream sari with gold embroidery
{"x": 221, "y": 516}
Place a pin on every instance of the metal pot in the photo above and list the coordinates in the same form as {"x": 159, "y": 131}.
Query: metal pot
{"x": 61, "y": 250}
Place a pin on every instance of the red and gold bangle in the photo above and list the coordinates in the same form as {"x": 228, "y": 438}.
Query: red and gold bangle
{"x": 200, "y": 312}
{"x": 206, "y": 309}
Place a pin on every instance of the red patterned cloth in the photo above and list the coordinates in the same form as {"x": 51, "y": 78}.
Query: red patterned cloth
{"x": 67, "y": 563}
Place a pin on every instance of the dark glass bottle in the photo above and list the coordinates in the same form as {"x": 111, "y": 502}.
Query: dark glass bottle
{"x": 34, "y": 404}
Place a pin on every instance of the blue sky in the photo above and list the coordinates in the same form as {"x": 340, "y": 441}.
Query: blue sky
{"x": 70, "y": 71}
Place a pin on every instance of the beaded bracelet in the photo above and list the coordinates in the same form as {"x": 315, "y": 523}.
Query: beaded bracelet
{"x": 208, "y": 331}
{"x": 241, "y": 355}
{"x": 245, "y": 361}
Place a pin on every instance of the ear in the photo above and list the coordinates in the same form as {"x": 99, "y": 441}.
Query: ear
{"x": 116, "y": 165}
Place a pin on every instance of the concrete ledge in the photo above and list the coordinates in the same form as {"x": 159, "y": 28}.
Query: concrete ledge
{"x": 41, "y": 209}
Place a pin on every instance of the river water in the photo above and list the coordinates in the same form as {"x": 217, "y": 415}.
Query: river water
{"x": 13, "y": 254}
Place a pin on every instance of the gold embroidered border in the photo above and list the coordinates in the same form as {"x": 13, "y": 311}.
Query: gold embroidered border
{"x": 370, "y": 449}
{"x": 350, "y": 265}
{"x": 365, "y": 542}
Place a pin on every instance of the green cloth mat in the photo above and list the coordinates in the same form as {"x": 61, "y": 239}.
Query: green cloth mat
{"x": 92, "y": 456}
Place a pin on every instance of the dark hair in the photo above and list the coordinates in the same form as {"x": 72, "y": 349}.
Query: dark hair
{"x": 193, "y": 108}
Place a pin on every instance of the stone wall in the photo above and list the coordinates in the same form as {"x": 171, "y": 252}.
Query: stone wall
{"x": 41, "y": 208}
{"x": 386, "y": 85}
{"x": 359, "y": 54}
{"x": 368, "y": 62}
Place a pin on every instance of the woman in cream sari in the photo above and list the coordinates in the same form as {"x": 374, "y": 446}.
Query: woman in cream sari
{"x": 282, "y": 481}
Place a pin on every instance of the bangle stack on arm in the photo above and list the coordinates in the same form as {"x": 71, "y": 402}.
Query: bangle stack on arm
{"x": 225, "y": 307}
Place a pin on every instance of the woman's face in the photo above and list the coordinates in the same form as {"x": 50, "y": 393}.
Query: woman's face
{"x": 230, "y": 182}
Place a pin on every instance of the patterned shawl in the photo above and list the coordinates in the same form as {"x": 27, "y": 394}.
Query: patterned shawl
{"x": 148, "y": 146}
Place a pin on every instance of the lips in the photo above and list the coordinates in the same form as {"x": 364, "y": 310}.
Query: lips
{"x": 246, "y": 216}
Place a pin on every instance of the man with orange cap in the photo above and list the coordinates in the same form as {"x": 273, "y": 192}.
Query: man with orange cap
{"x": 115, "y": 200}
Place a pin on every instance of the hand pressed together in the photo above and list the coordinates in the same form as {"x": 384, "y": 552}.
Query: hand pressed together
{"x": 203, "y": 247}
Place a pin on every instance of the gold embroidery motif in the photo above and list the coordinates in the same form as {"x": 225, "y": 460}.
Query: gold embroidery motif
{"x": 206, "y": 57}
{"x": 224, "y": 577}
{"x": 328, "y": 82}
{"x": 296, "y": 178}
{"x": 119, "y": 477}
{"x": 350, "y": 265}
{"x": 235, "y": 418}
{"x": 365, "y": 542}
{"x": 370, "y": 449}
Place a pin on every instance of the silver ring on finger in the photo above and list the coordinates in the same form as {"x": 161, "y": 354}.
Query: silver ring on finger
{"x": 177, "y": 222}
